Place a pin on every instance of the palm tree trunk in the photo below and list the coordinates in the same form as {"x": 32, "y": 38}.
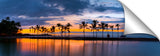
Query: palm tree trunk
{"x": 37, "y": 31}
{"x": 96, "y": 33}
{"x": 65, "y": 33}
{"x": 118, "y": 33}
{"x": 84, "y": 32}
{"x": 107, "y": 32}
{"x": 112, "y": 33}
{"x": 102, "y": 32}
{"x": 93, "y": 32}
{"x": 61, "y": 33}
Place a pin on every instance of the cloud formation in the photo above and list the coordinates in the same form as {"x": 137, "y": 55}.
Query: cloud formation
{"x": 42, "y": 12}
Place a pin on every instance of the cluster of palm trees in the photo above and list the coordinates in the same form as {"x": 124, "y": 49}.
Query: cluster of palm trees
{"x": 43, "y": 29}
{"x": 62, "y": 28}
{"x": 95, "y": 27}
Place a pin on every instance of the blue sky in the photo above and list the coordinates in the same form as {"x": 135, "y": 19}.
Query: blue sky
{"x": 51, "y": 12}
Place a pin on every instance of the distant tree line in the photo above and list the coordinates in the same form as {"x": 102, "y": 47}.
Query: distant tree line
{"x": 95, "y": 26}
{"x": 61, "y": 28}
{"x": 9, "y": 27}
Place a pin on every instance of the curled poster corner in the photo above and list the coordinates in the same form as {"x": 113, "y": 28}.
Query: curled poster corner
{"x": 133, "y": 25}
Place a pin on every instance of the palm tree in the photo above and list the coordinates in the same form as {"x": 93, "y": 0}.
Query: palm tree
{"x": 31, "y": 28}
{"x": 95, "y": 22}
{"x": 65, "y": 28}
{"x": 53, "y": 29}
{"x": 83, "y": 25}
{"x": 93, "y": 26}
{"x": 68, "y": 27}
{"x": 46, "y": 30}
{"x": 102, "y": 26}
{"x": 59, "y": 27}
{"x": 62, "y": 29}
{"x": 107, "y": 26}
{"x": 37, "y": 28}
{"x": 42, "y": 29}
{"x": 112, "y": 30}
{"x": 117, "y": 25}
{"x": 91, "y": 29}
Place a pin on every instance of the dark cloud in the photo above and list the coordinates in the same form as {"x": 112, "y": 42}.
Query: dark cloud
{"x": 100, "y": 16}
{"x": 104, "y": 17}
{"x": 103, "y": 8}
{"x": 35, "y": 21}
{"x": 113, "y": 21}
{"x": 108, "y": 17}
{"x": 89, "y": 21}
{"x": 36, "y": 8}
{"x": 122, "y": 21}
{"x": 70, "y": 6}
{"x": 31, "y": 8}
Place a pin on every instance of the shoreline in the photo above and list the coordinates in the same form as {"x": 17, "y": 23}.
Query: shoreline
{"x": 80, "y": 38}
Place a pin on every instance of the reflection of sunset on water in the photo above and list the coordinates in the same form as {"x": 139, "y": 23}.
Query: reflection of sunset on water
{"x": 49, "y": 45}
{"x": 56, "y": 47}
{"x": 61, "y": 47}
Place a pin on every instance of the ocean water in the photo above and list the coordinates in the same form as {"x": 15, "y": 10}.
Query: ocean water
{"x": 89, "y": 34}
{"x": 102, "y": 35}
{"x": 60, "y": 47}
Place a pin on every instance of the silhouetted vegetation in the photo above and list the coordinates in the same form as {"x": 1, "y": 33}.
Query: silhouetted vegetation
{"x": 102, "y": 26}
{"x": 117, "y": 25}
{"x": 83, "y": 26}
{"x": 63, "y": 29}
{"x": 9, "y": 27}
{"x": 95, "y": 26}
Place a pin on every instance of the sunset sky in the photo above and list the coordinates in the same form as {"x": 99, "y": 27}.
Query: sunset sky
{"x": 50, "y": 12}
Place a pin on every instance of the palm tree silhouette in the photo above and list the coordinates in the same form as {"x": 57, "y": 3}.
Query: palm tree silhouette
{"x": 94, "y": 26}
{"x": 107, "y": 26}
{"x": 46, "y": 30}
{"x": 112, "y": 30}
{"x": 60, "y": 28}
{"x": 37, "y": 28}
{"x": 117, "y": 25}
{"x": 102, "y": 26}
{"x": 53, "y": 29}
{"x": 31, "y": 29}
{"x": 42, "y": 29}
{"x": 65, "y": 29}
{"x": 83, "y": 25}
{"x": 68, "y": 28}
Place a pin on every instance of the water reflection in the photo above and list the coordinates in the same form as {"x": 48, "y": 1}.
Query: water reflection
{"x": 57, "y": 47}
